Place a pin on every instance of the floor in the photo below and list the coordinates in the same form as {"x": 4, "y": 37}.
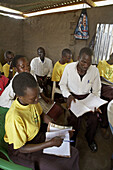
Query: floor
{"x": 101, "y": 160}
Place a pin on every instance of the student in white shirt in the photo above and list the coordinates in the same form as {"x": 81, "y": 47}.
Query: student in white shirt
{"x": 110, "y": 115}
{"x": 78, "y": 80}
{"x": 20, "y": 64}
{"x": 110, "y": 119}
{"x": 42, "y": 67}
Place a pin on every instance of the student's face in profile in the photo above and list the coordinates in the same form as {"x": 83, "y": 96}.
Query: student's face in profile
{"x": 84, "y": 62}
{"x": 22, "y": 65}
{"x": 41, "y": 53}
{"x": 30, "y": 97}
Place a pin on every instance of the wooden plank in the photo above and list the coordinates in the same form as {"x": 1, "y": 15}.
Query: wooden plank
{"x": 91, "y": 3}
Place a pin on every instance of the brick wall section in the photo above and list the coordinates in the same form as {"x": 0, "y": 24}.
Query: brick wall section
{"x": 11, "y": 35}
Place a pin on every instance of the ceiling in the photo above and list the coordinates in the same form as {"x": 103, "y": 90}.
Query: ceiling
{"x": 26, "y": 6}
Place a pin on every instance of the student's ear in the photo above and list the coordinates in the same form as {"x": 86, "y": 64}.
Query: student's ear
{"x": 20, "y": 98}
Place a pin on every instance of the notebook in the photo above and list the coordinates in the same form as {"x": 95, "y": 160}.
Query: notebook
{"x": 62, "y": 131}
{"x": 55, "y": 111}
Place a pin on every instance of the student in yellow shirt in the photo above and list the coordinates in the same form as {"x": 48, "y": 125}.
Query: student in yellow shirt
{"x": 61, "y": 64}
{"x": 106, "y": 74}
{"x": 106, "y": 69}
{"x": 58, "y": 70}
{"x": 25, "y": 134}
{"x": 8, "y": 68}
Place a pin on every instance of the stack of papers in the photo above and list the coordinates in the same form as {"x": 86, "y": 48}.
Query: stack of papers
{"x": 63, "y": 132}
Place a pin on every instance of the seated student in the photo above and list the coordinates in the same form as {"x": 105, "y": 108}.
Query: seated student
{"x": 61, "y": 64}
{"x": 110, "y": 119}
{"x": 8, "y": 68}
{"x": 79, "y": 79}
{"x": 3, "y": 82}
{"x": 110, "y": 114}
{"x": 21, "y": 64}
{"x": 106, "y": 74}
{"x": 59, "y": 68}
{"x": 26, "y": 135}
{"x": 42, "y": 67}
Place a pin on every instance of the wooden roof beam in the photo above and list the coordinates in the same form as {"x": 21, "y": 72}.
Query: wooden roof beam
{"x": 91, "y": 3}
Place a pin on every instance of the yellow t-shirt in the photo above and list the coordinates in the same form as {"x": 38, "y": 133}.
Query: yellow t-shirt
{"x": 105, "y": 70}
{"x": 58, "y": 71}
{"x": 6, "y": 70}
{"x": 1, "y": 69}
{"x": 22, "y": 123}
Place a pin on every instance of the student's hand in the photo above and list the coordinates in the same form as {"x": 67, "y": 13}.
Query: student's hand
{"x": 40, "y": 81}
{"x": 69, "y": 100}
{"x": 71, "y": 133}
{"x": 56, "y": 141}
{"x": 97, "y": 110}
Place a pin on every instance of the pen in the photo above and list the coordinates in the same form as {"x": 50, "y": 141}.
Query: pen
{"x": 68, "y": 140}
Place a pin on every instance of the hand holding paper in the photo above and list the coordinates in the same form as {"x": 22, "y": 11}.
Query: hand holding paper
{"x": 88, "y": 104}
{"x": 57, "y": 141}
{"x": 60, "y": 133}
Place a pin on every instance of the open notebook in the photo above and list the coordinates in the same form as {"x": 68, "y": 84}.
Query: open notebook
{"x": 62, "y": 131}
{"x": 88, "y": 104}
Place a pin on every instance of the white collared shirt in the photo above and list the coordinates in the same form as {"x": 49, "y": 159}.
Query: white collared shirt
{"x": 8, "y": 94}
{"x": 42, "y": 68}
{"x": 71, "y": 81}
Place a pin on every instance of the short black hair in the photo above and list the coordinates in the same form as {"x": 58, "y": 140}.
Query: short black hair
{"x": 41, "y": 49}
{"x": 86, "y": 50}
{"x": 7, "y": 53}
{"x": 66, "y": 51}
{"x": 16, "y": 58}
{"x": 23, "y": 81}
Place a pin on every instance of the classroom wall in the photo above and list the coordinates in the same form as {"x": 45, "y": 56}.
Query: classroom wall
{"x": 54, "y": 32}
{"x": 11, "y": 36}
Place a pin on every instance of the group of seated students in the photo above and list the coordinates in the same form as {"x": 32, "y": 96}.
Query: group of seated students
{"x": 26, "y": 123}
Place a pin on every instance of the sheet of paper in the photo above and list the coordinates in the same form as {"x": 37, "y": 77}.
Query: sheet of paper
{"x": 55, "y": 127}
{"x": 86, "y": 105}
{"x": 93, "y": 101}
{"x": 78, "y": 108}
{"x": 104, "y": 82}
{"x": 64, "y": 149}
